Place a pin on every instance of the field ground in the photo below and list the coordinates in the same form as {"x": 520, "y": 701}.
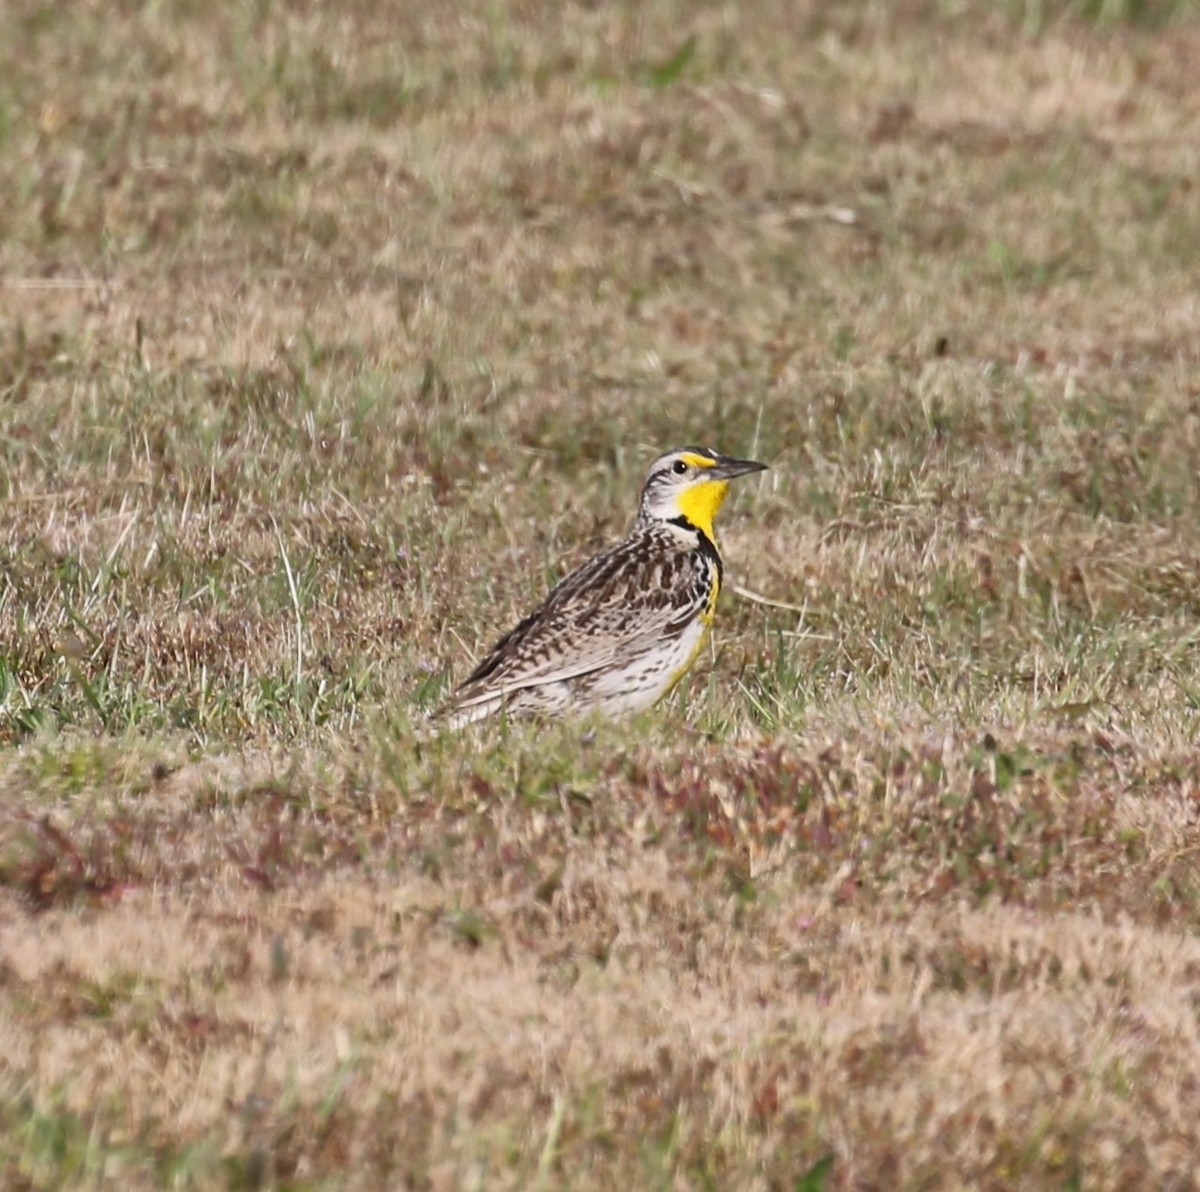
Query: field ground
{"x": 331, "y": 334}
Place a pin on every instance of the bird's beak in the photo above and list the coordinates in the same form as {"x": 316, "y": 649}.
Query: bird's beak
{"x": 727, "y": 468}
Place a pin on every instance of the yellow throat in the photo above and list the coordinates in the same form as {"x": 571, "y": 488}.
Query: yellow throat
{"x": 700, "y": 502}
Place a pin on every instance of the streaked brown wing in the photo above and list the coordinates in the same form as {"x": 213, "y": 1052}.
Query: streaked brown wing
{"x": 612, "y": 608}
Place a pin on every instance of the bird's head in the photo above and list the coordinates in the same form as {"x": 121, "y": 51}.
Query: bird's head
{"x": 691, "y": 483}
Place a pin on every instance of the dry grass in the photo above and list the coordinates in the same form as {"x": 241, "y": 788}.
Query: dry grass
{"x": 329, "y": 336}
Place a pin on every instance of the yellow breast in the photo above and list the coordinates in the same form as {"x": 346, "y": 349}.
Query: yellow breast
{"x": 706, "y": 619}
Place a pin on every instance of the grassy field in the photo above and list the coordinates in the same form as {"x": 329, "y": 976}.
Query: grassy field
{"x": 331, "y": 334}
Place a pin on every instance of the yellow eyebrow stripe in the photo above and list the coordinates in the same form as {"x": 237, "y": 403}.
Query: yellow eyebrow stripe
{"x": 697, "y": 461}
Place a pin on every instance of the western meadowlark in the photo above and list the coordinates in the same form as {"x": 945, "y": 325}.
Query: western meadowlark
{"x": 620, "y": 631}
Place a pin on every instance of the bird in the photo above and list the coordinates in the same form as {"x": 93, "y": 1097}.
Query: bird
{"x": 620, "y": 631}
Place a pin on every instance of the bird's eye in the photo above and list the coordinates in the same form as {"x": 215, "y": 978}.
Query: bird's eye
{"x": 679, "y": 467}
